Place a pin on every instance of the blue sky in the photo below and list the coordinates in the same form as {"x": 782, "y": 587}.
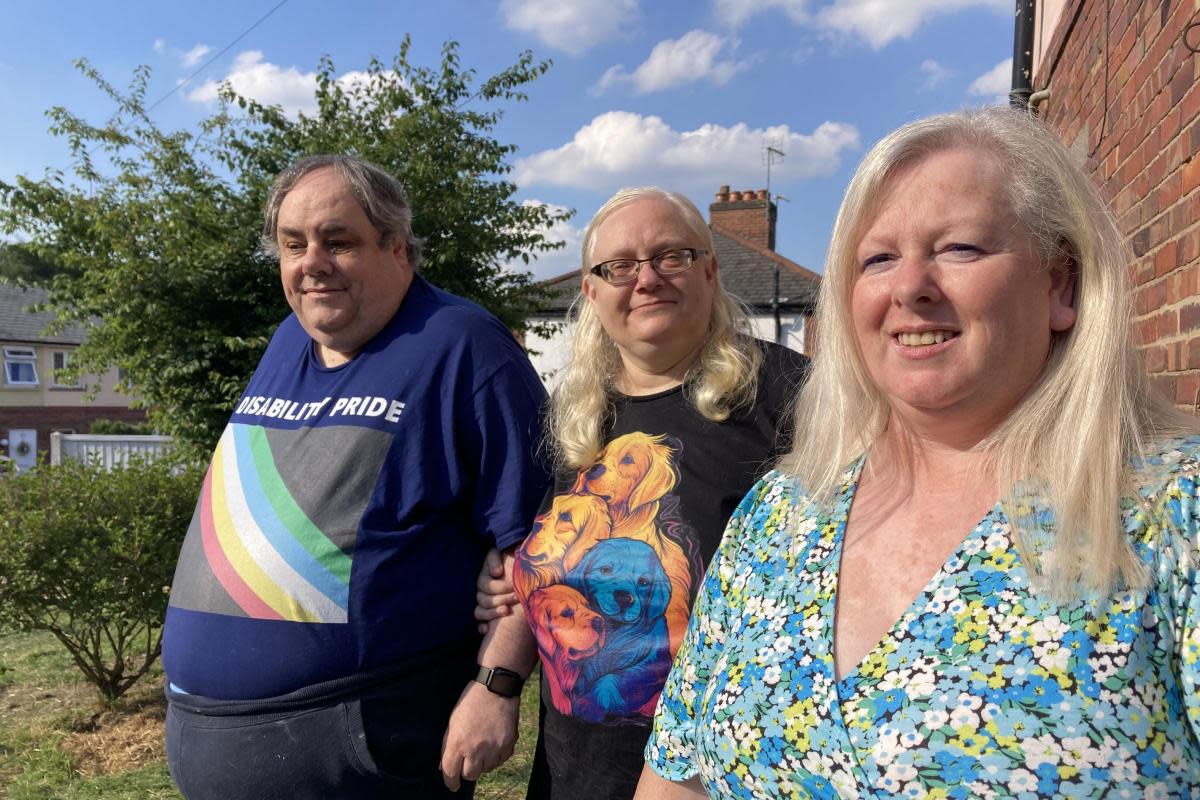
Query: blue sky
{"x": 685, "y": 94}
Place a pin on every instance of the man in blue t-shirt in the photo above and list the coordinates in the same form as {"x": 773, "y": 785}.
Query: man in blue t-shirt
{"x": 319, "y": 640}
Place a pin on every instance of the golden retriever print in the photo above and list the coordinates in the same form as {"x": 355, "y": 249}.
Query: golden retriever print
{"x": 606, "y": 576}
{"x": 568, "y": 632}
{"x": 633, "y": 473}
{"x": 559, "y": 539}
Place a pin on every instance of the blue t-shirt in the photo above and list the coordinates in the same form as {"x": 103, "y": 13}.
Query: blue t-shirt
{"x": 347, "y": 509}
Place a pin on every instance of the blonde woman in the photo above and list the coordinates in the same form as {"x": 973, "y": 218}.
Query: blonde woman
{"x": 667, "y": 413}
{"x": 974, "y": 575}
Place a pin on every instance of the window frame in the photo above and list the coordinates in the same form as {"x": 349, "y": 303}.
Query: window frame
{"x": 18, "y": 356}
{"x": 55, "y": 381}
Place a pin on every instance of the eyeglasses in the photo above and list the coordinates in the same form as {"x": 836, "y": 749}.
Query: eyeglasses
{"x": 619, "y": 271}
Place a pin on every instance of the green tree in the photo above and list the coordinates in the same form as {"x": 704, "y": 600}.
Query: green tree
{"x": 18, "y": 265}
{"x": 89, "y": 554}
{"x": 157, "y": 232}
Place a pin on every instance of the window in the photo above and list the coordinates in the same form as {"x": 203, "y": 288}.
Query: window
{"x": 61, "y": 359}
{"x": 20, "y": 366}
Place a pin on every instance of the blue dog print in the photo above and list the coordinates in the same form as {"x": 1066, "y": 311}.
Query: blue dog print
{"x": 625, "y": 582}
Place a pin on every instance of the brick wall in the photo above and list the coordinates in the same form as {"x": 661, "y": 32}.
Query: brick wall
{"x": 745, "y": 214}
{"x": 46, "y": 420}
{"x": 1125, "y": 98}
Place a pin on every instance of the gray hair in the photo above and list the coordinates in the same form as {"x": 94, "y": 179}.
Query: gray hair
{"x": 381, "y": 197}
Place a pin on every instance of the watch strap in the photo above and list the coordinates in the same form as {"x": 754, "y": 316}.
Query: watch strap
{"x": 501, "y": 681}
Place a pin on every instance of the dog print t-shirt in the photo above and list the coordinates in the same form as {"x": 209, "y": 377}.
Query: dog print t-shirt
{"x": 347, "y": 509}
{"x": 608, "y": 574}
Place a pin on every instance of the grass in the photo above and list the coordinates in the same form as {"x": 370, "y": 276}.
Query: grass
{"x": 57, "y": 742}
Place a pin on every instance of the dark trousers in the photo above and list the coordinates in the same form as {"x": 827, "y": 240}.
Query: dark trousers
{"x": 373, "y": 736}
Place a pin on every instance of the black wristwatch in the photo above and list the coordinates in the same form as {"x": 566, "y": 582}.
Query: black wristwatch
{"x": 501, "y": 681}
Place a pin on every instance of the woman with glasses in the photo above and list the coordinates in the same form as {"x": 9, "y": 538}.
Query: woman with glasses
{"x": 667, "y": 413}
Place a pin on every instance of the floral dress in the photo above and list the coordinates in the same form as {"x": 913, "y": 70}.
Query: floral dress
{"x": 982, "y": 688}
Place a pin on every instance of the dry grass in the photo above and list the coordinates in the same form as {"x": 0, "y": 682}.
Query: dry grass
{"x": 56, "y": 741}
{"x": 118, "y": 741}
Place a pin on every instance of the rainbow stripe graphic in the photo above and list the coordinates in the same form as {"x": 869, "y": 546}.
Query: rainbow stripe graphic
{"x": 273, "y": 561}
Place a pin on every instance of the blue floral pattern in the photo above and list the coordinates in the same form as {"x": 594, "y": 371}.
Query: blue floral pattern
{"x": 983, "y": 688}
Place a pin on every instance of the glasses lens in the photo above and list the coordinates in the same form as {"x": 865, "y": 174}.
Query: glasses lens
{"x": 620, "y": 271}
{"x": 673, "y": 261}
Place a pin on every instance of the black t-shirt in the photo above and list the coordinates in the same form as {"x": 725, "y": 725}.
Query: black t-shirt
{"x": 617, "y": 552}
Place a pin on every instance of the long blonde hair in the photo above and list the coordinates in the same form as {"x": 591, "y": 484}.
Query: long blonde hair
{"x": 724, "y": 376}
{"x": 1090, "y": 412}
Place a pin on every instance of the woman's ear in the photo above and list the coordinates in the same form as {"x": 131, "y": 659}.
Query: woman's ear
{"x": 1064, "y": 277}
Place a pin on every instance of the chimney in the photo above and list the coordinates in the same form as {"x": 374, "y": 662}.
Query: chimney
{"x": 747, "y": 214}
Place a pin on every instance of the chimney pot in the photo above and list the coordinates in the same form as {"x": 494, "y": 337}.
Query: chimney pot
{"x": 747, "y": 214}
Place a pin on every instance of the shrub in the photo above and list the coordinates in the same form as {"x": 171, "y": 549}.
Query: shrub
{"x": 115, "y": 427}
{"x": 88, "y": 555}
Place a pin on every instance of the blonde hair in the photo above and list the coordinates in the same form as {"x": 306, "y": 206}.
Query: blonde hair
{"x": 1070, "y": 441}
{"x": 723, "y": 377}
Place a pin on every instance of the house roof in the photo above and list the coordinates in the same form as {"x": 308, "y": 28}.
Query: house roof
{"x": 562, "y": 291}
{"x": 747, "y": 272}
{"x": 19, "y": 324}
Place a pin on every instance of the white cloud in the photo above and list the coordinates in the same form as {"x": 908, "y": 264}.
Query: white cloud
{"x": 877, "y": 21}
{"x": 160, "y": 46}
{"x": 553, "y": 263}
{"x": 192, "y": 57}
{"x": 935, "y": 74}
{"x": 735, "y": 12}
{"x": 881, "y": 21}
{"x": 994, "y": 83}
{"x": 622, "y": 148}
{"x": 690, "y": 58}
{"x": 271, "y": 84}
{"x": 573, "y": 26}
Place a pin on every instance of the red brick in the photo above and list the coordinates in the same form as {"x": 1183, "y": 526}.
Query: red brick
{"x": 1156, "y": 359}
{"x": 1189, "y": 318}
{"x": 1144, "y": 332}
{"x": 1174, "y": 352}
{"x": 1191, "y": 175}
{"x": 1164, "y": 385}
{"x": 1187, "y": 389}
{"x": 1189, "y": 248}
{"x": 1150, "y": 298}
{"x": 1190, "y": 107}
{"x": 1164, "y": 261}
{"x": 1167, "y": 324}
{"x": 1193, "y": 353}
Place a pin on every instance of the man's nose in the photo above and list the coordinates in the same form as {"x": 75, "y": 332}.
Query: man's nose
{"x": 315, "y": 261}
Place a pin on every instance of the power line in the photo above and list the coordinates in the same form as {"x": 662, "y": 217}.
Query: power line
{"x": 222, "y": 52}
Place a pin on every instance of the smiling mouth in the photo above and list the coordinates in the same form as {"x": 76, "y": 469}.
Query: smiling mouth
{"x": 925, "y": 338}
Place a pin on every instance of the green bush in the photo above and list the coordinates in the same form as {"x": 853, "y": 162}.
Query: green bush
{"x": 115, "y": 427}
{"x": 88, "y": 555}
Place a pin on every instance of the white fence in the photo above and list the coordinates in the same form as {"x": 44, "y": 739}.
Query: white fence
{"x": 109, "y": 451}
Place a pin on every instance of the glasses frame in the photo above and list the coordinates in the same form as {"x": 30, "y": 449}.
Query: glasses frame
{"x": 601, "y": 269}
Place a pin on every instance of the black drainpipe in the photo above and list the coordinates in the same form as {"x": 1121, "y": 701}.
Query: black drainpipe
{"x": 1022, "y": 74}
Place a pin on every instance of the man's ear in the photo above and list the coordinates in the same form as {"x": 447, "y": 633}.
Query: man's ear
{"x": 400, "y": 252}
{"x": 1064, "y": 277}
